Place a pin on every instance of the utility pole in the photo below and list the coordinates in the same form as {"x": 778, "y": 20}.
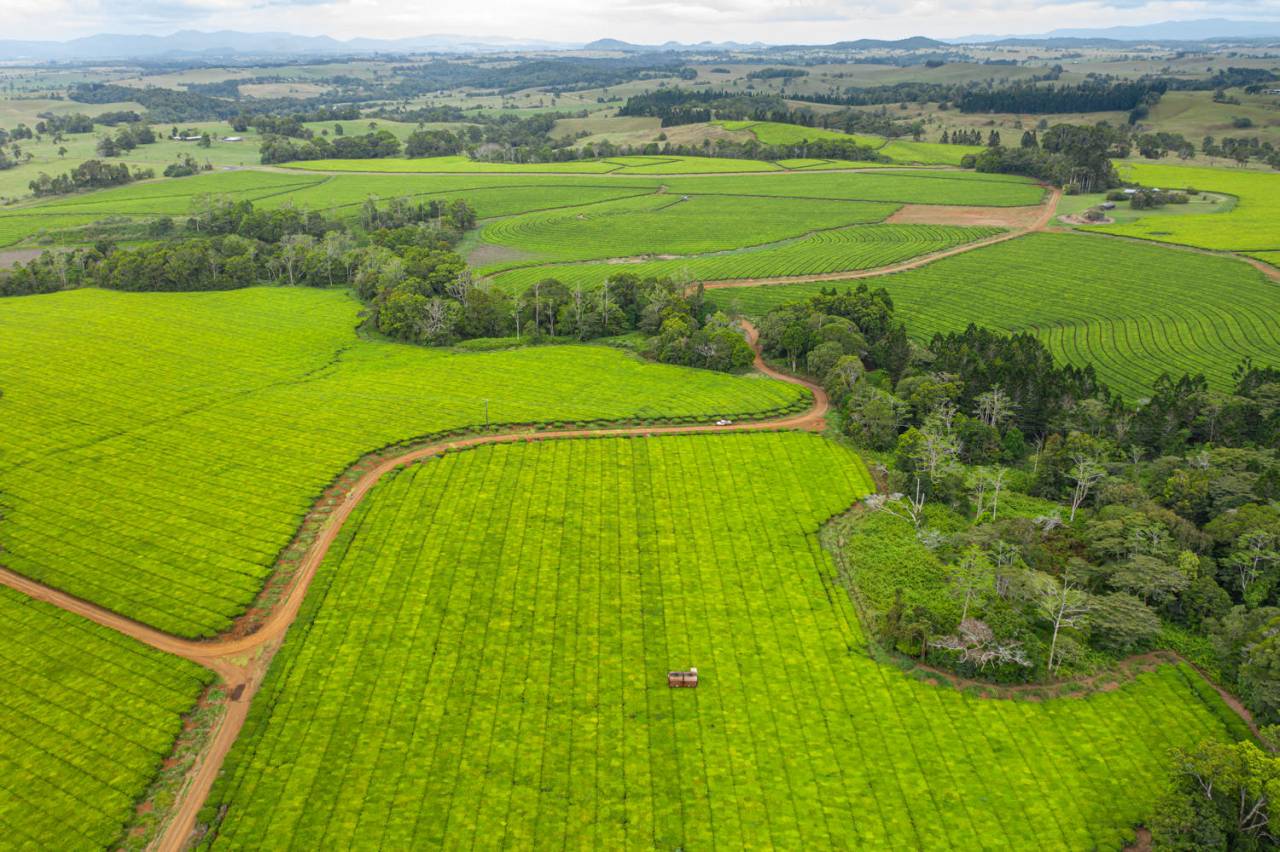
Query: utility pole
{"x": 486, "y": 414}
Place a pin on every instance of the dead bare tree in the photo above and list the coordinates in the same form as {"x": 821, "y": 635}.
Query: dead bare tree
{"x": 976, "y": 643}
{"x": 900, "y": 505}
{"x": 995, "y": 407}
{"x": 1062, "y": 605}
{"x": 1085, "y": 473}
{"x": 997, "y": 485}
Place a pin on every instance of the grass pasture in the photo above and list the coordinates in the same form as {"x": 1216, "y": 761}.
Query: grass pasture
{"x": 157, "y": 460}
{"x": 779, "y": 133}
{"x": 819, "y": 253}
{"x": 482, "y": 662}
{"x": 88, "y": 716}
{"x": 927, "y": 153}
{"x": 1131, "y": 310}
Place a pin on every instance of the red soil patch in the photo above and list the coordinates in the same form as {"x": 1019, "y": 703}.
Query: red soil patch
{"x": 991, "y": 217}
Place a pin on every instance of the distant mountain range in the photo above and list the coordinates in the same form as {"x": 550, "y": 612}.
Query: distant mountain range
{"x": 193, "y": 44}
{"x": 913, "y": 43}
{"x": 231, "y": 45}
{"x": 1207, "y": 29}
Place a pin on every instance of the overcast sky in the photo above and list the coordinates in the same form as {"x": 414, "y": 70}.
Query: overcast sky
{"x": 811, "y": 21}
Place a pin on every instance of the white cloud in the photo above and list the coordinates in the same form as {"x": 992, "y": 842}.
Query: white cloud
{"x": 776, "y": 21}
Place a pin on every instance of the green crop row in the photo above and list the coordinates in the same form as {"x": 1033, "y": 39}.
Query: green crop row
{"x": 159, "y": 450}
{"x": 86, "y": 718}
{"x": 672, "y": 224}
{"x": 837, "y": 250}
{"x": 1133, "y": 311}
{"x": 658, "y": 165}
{"x": 482, "y": 662}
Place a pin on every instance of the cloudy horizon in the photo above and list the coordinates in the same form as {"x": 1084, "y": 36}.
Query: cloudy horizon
{"x": 770, "y": 21}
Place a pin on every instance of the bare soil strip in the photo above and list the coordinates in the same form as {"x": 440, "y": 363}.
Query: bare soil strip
{"x": 992, "y": 217}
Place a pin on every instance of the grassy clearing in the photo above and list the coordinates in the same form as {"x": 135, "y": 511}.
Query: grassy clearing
{"x": 927, "y": 153}
{"x": 779, "y": 133}
{"x": 1252, "y": 225}
{"x": 1133, "y": 311}
{"x": 88, "y": 717}
{"x": 837, "y": 250}
{"x": 482, "y": 660}
{"x": 159, "y": 450}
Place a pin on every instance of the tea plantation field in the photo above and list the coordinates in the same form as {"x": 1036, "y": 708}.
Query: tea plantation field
{"x": 86, "y": 718}
{"x": 159, "y": 450}
{"x": 1252, "y": 225}
{"x": 673, "y": 224}
{"x": 501, "y": 194}
{"x": 828, "y": 251}
{"x": 1131, "y": 310}
{"x": 482, "y": 662}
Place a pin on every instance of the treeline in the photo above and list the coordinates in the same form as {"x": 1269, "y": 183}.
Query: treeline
{"x": 162, "y": 105}
{"x": 1075, "y": 157}
{"x": 508, "y": 138}
{"x": 228, "y": 244}
{"x": 375, "y": 145}
{"x": 1044, "y": 100}
{"x": 1242, "y": 149}
{"x": 91, "y": 174}
{"x": 427, "y": 297}
{"x": 686, "y": 106}
{"x": 292, "y": 124}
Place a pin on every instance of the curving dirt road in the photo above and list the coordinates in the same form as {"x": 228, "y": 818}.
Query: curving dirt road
{"x": 242, "y": 661}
